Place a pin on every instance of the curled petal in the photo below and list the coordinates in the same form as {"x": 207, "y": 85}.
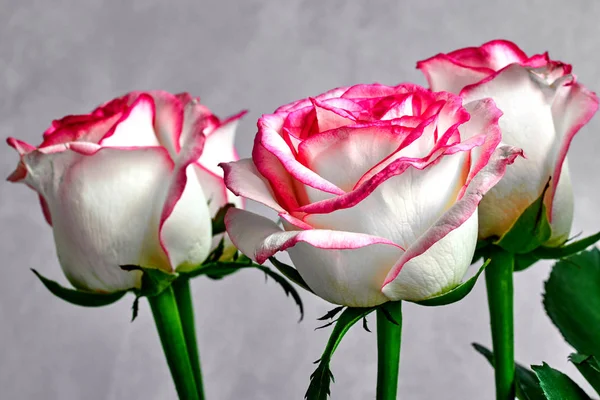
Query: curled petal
{"x": 438, "y": 269}
{"x": 135, "y": 127}
{"x": 219, "y": 146}
{"x": 572, "y": 108}
{"x": 243, "y": 179}
{"x": 341, "y": 267}
{"x": 185, "y": 223}
{"x": 452, "y": 219}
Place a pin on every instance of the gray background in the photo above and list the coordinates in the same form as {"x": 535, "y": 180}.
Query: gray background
{"x": 66, "y": 56}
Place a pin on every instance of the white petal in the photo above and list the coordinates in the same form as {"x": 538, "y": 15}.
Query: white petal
{"x": 103, "y": 211}
{"x": 341, "y": 267}
{"x": 403, "y": 207}
{"x": 526, "y": 123}
{"x": 439, "y": 269}
{"x": 136, "y": 128}
{"x": 187, "y": 233}
{"x": 245, "y": 180}
{"x": 219, "y": 147}
{"x": 562, "y": 209}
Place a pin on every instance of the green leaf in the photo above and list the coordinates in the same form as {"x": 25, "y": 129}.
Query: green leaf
{"x": 530, "y": 230}
{"x": 320, "y": 380}
{"x": 79, "y": 297}
{"x": 154, "y": 281}
{"x": 456, "y": 294}
{"x": 216, "y": 269}
{"x": 554, "y": 253}
{"x": 556, "y": 385}
{"x": 572, "y": 300}
{"x": 218, "y": 222}
{"x": 526, "y": 382}
{"x": 589, "y": 367}
{"x": 290, "y": 272}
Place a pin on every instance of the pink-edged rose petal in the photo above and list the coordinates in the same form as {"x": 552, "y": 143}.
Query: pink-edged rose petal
{"x": 460, "y": 212}
{"x": 341, "y": 267}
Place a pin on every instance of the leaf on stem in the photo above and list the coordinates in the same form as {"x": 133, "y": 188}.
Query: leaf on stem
{"x": 556, "y": 385}
{"x": 572, "y": 300}
{"x": 321, "y": 378}
{"x": 589, "y": 367}
{"x": 79, "y": 297}
{"x": 526, "y": 382}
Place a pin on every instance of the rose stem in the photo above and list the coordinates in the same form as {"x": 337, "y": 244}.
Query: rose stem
{"x": 499, "y": 283}
{"x": 183, "y": 297}
{"x": 389, "y": 337}
{"x": 170, "y": 331}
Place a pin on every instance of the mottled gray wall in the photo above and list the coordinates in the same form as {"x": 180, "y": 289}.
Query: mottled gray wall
{"x": 66, "y": 56}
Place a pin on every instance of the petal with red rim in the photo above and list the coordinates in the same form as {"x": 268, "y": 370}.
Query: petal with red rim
{"x": 135, "y": 128}
{"x": 219, "y": 146}
{"x": 243, "y": 179}
{"x": 526, "y": 123}
{"x": 414, "y": 200}
{"x": 341, "y": 267}
{"x": 445, "y": 74}
{"x": 103, "y": 213}
{"x": 460, "y": 212}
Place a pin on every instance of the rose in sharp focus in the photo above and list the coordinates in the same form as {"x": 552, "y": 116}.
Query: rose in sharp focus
{"x": 543, "y": 108}
{"x": 134, "y": 182}
{"x": 377, "y": 189}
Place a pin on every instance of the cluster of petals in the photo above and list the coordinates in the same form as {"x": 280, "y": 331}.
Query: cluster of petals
{"x": 376, "y": 187}
{"x": 134, "y": 182}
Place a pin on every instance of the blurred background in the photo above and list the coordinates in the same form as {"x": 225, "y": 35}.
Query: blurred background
{"x": 67, "y": 56}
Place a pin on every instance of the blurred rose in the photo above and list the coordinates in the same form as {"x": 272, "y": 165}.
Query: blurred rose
{"x": 543, "y": 107}
{"x": 377, "y": 188}
{"x": 130, "y": 183}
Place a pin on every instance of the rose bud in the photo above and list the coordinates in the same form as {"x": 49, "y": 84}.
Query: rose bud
{"x": 543, "y": 108}
{"x": 130, "y": 184}
{"x": 377, "y": 189}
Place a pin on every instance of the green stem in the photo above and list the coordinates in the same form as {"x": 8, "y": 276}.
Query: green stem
{"x": 389, "y": 336}
{"x": 168, "y": 325}
{"x": 183, "y": 296}
{"x": 499, "y": 282}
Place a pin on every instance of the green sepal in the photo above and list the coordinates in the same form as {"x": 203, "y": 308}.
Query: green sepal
{"x": 527, "y": 385}
{"x": 589, "y": 367}
{"x": 290, "y": 272}
{"x": 555, "y": 253}
{"x": 531, "y": 229}
{"x": 524, "y": 261}
{"x": 154, "y": 281}
{"x": 556, "y": 385}
{"x": 79, "y": 297}
{"x": 572, "y": 300}
{"x": 216, "y": 269}
{"x": 321, "y": 378}
{"x": 481, "y": 250}
{"x": 218, "y": 222}
{"x": 455, "y": 294}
